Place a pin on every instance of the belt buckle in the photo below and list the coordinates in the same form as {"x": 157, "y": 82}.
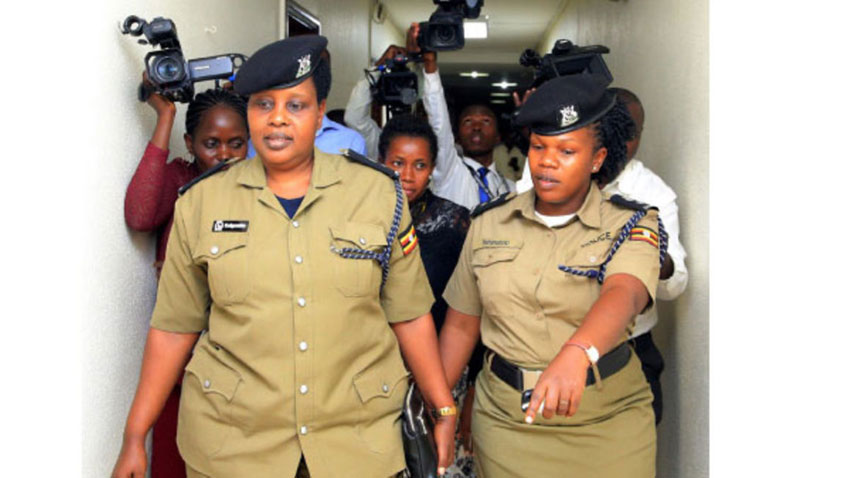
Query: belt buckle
{"x": 529, "y": 378}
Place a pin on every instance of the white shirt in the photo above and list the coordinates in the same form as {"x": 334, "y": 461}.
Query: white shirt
{"x": 639, "y": 183}
{"x": 357, "y": 117}
{"x": 452, "y": 179}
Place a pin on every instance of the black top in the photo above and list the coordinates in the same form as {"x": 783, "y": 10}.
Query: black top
{"x": 441, "y": 227}
{"x": 290, "y": 205}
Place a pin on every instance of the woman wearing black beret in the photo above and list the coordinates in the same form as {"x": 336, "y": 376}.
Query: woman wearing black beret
{"x": 292, "y": 297}
{"x": 552, "y": 280}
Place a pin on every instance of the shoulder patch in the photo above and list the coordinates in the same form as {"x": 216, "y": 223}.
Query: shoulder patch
{"x": 629, "y": 204}
{"x": 209, "y": 172}
{"x": 486, "y": 206}
{"x": 360, "y": 159}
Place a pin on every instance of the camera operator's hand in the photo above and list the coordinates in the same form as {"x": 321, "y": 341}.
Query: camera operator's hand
{"x": 429, "y": 58}
{"x": 166, "y": 110}
{"x": 519, "y": 102}
{"x": 391, "y": 52}
{"x": 160, "y": 104}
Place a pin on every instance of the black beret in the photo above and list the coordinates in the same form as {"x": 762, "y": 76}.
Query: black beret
{"x": 566, "y": 103}
{"x": 282, "y": 64}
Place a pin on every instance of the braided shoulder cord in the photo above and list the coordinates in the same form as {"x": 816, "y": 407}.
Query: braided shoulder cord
{"x": 599, "y": 274}
{"x": 383, "y": 258}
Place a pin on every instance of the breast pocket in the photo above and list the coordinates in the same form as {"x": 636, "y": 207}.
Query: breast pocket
{"x": 494, "y": 268}
{"x": 356, "y": 277}
{"x": 228, "y": 266}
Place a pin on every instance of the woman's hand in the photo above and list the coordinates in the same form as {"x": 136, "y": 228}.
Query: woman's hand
{"x": 444, "y": 436}
{"x": 162, "y": 105}
{"x": 561, "y": 385}
{"x": 133, "y": 460}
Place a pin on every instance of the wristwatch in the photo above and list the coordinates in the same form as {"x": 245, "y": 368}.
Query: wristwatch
{"x": 445, "y": 411}
{"x": 591, "y": 351}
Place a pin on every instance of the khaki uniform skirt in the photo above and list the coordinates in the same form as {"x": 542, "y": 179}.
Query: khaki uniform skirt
{"x": 612, "y": 435}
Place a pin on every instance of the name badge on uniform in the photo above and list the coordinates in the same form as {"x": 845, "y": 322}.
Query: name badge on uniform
{"x": 229, "y": 226}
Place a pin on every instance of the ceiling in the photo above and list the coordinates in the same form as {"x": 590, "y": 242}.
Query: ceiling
{"x": 513, "y": 25}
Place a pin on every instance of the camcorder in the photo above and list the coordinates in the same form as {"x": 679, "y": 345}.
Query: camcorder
{"x": 566, "y": 59}
{"x": 168, "y": 71}
{"x": 396, "y": 86}
{"x": 444, "y": 30}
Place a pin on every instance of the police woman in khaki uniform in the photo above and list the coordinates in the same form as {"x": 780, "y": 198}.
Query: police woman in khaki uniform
{"x": 289, "y": 277}
{"x": 552, "y": 280}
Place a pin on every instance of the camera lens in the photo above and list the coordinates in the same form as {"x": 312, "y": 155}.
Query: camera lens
{"x": 168, "y": 69}
{"x": 445, "y": 34}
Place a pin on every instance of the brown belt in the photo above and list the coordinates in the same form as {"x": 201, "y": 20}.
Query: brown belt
{"x": 608, "y": 365}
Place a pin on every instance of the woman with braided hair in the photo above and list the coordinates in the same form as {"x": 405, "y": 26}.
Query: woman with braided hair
{"x": 216, "y": 130}
{"x": 552, "y": 280}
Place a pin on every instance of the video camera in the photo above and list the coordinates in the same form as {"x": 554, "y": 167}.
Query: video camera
{"x": 396, "y": 87}
{"x": 444, "y": 30}
{"x": 566, "y": 59}
{"x": 169, "y": 72}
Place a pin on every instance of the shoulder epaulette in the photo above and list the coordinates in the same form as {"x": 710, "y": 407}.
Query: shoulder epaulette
{"x": 486, "y": 206}
{"x": 209, "y": 172}
{"x": 629, "y": 204}
{"x": 360, "y": 159}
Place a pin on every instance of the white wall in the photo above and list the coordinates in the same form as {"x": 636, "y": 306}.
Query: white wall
{"x": 346, "y": 26}
{"x": 659, "y": 50}
{"x": 120, "y": 282}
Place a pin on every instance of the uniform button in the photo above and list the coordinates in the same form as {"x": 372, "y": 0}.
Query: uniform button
{"x": 385, "y": 388}
{"x": 295, "y": 224}
{"x": 592, "y": 258}
{"x": 299, "y": 259}
{"x": 302, "y": 346}
{"x": 206, "y": 384}
{"x": 363, "y": 241}
{"x": 303, "y": 389}
{"x": 214, "y": 250}
{"x": 302, "y": 302}
{"x": 303, "y": 430}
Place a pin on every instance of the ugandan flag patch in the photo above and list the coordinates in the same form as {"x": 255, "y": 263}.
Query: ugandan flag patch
{"x": 645, "y": 234}
{"x": 408, "y": 240}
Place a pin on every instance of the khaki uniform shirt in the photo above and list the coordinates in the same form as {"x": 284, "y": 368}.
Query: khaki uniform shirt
{"x": 508, "y": 273}
{"x": 299, "y": 356}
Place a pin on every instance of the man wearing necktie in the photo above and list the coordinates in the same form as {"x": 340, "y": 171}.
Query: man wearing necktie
{"x": 470, "y": 178}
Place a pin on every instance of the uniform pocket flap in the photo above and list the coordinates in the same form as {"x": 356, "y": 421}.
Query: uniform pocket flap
{"x": 218, "y": 245}
{"x": 359, "y": 234}
{"x": 379, "y": 380}
{"x": 213, "y": 376}
{"x": 490, "y": 255}
{"x": 588, "y": 259}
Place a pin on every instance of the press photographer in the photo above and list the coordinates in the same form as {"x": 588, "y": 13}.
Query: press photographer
{"x": 168, "y": 72}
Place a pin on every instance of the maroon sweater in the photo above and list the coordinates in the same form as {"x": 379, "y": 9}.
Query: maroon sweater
{"x": 149, "y": 202}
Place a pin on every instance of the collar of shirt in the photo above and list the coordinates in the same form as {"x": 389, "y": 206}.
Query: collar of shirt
{"x": 327, "y": 123}
{"x": 475, "y": 165}
{"x": 325, "y": 173}
{"x": 589, "y": 213}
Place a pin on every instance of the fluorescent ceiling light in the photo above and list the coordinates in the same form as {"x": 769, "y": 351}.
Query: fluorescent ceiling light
{"x": 475, "y": 74}
{"x": 474, "y": 30}
{"x": 498, "y": 102}
{"x": 499, "y": 94}
{"x": 504, "y": 85}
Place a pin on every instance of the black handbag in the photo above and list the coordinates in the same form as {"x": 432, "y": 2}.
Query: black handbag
{"x": 418, "y": 437}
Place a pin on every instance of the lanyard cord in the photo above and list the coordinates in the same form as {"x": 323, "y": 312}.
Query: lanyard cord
{"x": 383, "y": 257}
{"x": 599, "y": 274}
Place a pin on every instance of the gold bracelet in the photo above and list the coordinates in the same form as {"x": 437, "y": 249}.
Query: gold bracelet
{"x": 446, "y": 411}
